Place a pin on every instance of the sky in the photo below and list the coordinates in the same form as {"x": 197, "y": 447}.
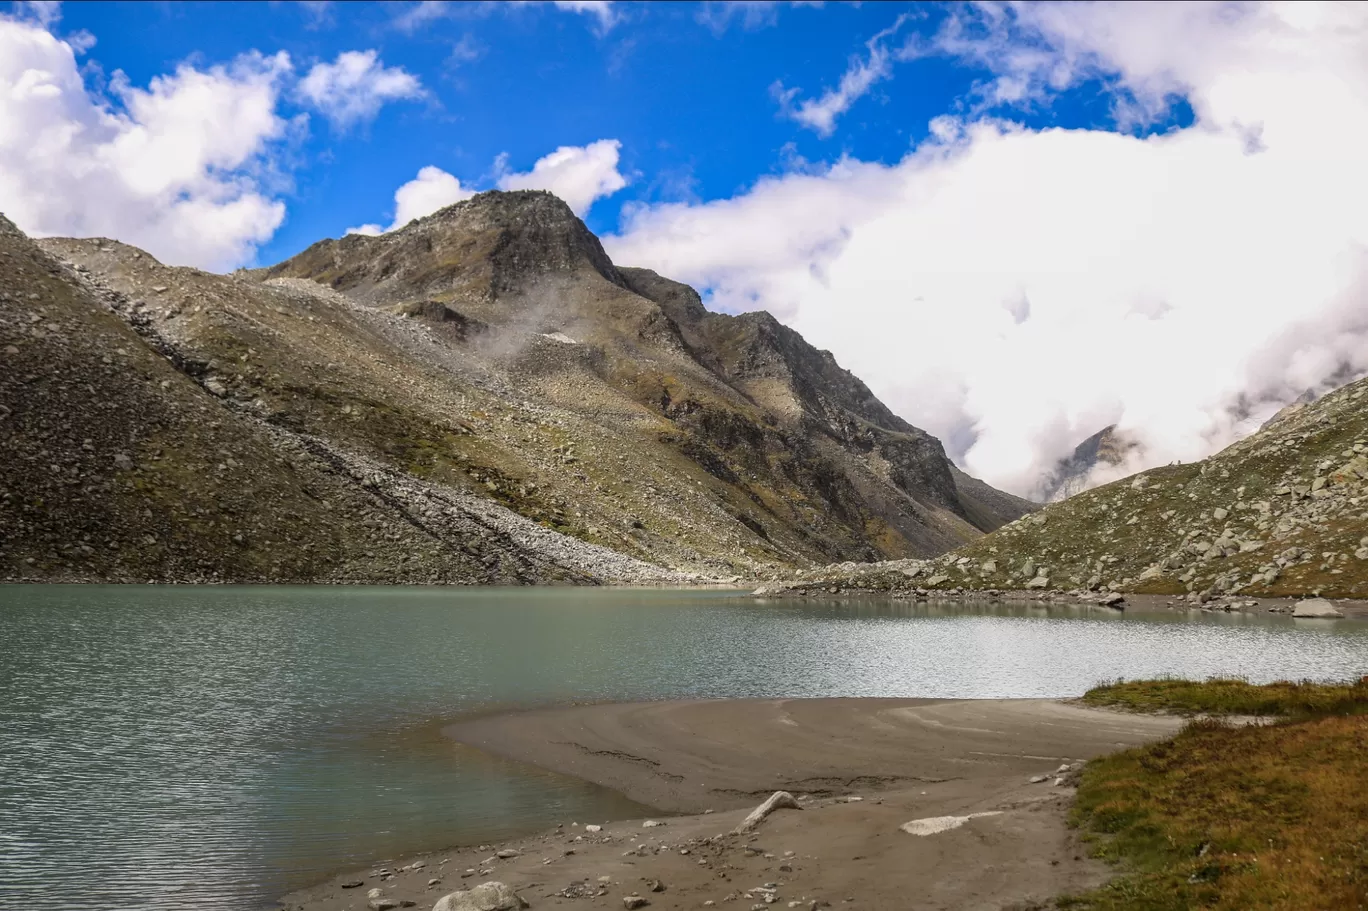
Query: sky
{"x": 1017, "y": 223}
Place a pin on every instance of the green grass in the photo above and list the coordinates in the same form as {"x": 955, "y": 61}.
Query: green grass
{"x": 1233, "y": 697}
{"x": 1233, "y": 817}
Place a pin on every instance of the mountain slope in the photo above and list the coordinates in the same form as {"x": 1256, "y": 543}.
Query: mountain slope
{"x": 1282, "y": 512}
{"x": 491, "y": 359}
{"x": 119, "y": 464}
{"x": 796, "y": 460}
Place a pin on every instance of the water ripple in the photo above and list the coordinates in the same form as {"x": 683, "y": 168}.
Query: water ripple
{"x": 215, "y": 747}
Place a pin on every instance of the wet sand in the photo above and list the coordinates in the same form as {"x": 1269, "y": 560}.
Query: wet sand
{"x": 713, "y": 761}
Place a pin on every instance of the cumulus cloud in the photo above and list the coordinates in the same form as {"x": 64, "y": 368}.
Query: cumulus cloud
{"x": 176, "y": 167}
{"x": 577, "y": 174}
{"x": 353, "y": 88}
{"x": 820, "y": 114}
{"x": 431, "y": 190}
{"x": 1015, "y": 290}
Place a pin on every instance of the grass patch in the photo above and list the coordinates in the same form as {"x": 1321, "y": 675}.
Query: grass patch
{"x": 1233, "y": 697}
{"x": 1233, "y": 817}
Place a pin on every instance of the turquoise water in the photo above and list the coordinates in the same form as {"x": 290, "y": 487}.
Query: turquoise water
{"x": 172, "y": 747}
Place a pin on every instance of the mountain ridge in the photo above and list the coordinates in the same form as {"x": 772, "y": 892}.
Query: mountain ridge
{"x": 492, "y": 353}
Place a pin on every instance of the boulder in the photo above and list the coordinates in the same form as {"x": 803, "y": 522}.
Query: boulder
{"x": 490, "y": 896}
{"x": 1316, "y": 607}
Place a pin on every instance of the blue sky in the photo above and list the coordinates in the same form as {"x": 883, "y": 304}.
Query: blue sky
{"x": 686, "y": 88}
{"x": 1018, "y": 223}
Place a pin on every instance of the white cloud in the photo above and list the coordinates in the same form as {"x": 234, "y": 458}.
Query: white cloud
{"x": 431, "y": 190}
{"x": 354, "y": 87}
{"x": 1015, "y": 290}
{"x": 718, "y": 15}
{"x": 176, "y": 167}
{"x": 599, "y": 9}
{"x": 577, "y": 174}
{"x": 820, "y": 114}
{"x": 317, "y": 13}
{"x": 43, "y": 13}
{"x": 414, "y": 17}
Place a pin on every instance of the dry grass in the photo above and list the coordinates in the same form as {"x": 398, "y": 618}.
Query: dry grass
{"x": 1234, "y": 817}
{"x": 1233, "y": 697}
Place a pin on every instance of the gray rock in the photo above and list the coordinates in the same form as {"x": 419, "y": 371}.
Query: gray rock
{"x": 1316, "y": 607}
{"x": 777, "y": 800}
{"x": 490, "y": 896}
{"x": 634, "y": 901}
{"x": 1039, "y": 582}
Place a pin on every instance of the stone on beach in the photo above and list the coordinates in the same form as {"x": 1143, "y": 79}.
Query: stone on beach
{"x": 777, "y": 800}
{"x": 1315, "y": 607}
{"x": 934, "y": 825}
{"x": 490, "y": 896}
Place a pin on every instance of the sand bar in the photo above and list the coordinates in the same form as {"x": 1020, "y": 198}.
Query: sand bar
{"x": 904, "y": 759}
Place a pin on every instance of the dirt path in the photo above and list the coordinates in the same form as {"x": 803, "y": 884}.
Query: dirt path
{"x": 904, "y": 759}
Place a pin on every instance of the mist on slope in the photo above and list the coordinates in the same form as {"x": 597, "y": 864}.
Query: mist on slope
{"x": 1014, "y": 290}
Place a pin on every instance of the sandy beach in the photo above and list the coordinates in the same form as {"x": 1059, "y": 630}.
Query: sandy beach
{"x": 860, "y": 768}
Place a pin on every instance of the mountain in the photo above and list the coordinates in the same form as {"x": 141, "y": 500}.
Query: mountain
{"x": 1071, "y": 475}
{"x": 126, "y": 460}
{"x": 486, "y": 369}
{"x": 1282, "y": 512}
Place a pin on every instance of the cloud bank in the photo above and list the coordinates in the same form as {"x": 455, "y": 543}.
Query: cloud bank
{"x": 187, "y": 167}
{"x": 176, "y": 167}
{"x": 1015, "y": 290}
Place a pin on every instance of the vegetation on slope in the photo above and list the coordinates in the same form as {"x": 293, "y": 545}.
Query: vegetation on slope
{"x": 1234, "y": 817}
{"x": 1283, "y": 512}
{"x": 1218, "y": 696}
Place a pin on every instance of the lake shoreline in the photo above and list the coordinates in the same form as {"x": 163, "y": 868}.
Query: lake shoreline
{"x": 1232, "y": 604}
{"x": 859, "y": 767}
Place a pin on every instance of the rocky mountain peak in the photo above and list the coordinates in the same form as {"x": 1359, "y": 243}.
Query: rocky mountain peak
{"x": 1071, "y": 474}
{"x": 491, "y": 245}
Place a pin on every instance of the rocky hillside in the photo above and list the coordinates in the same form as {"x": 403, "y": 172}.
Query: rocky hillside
{"x": 1282, "y": 512}
{"x": 695, "y": 436}
{"x": 122, "y": 460}
{"x": 481, "y": 396}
